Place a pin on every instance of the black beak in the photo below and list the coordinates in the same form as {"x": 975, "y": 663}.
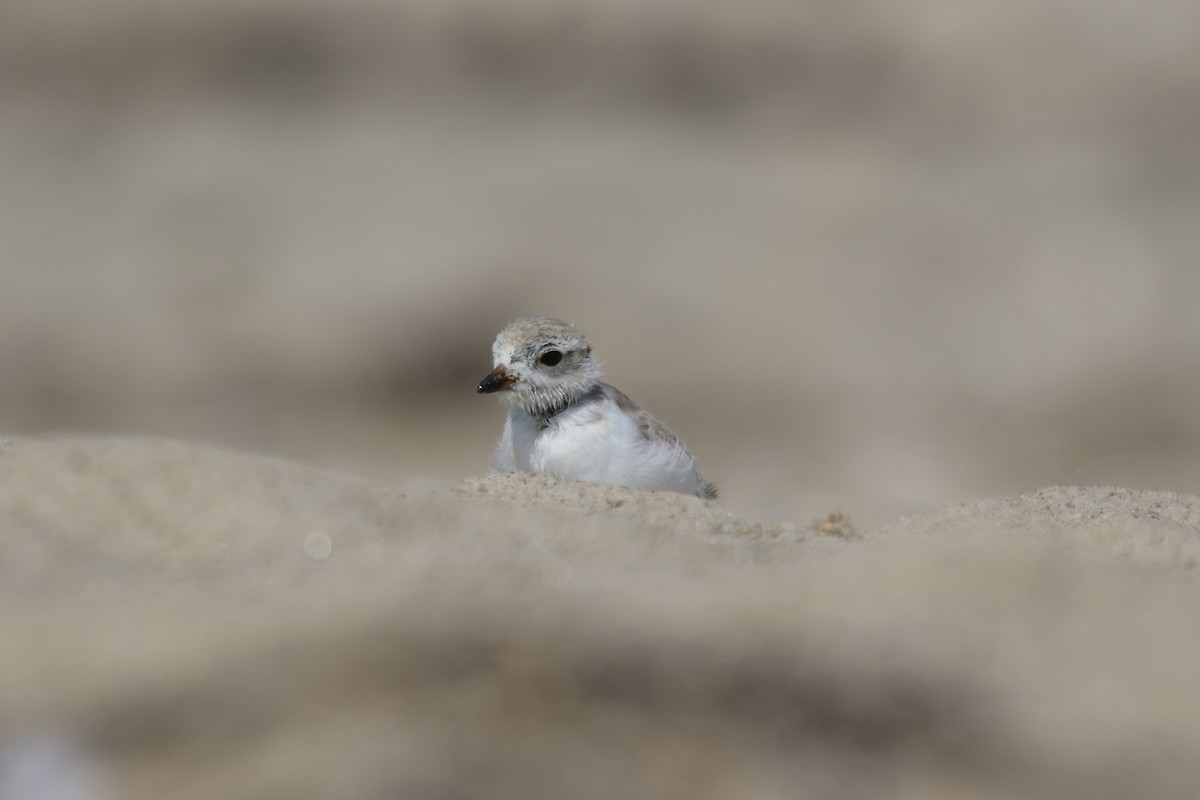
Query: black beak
{"x": 496, "y": 380}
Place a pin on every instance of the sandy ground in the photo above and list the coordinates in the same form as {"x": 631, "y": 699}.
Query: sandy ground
{"x": 865, "y": 260}
{"x": 190, "y": 622}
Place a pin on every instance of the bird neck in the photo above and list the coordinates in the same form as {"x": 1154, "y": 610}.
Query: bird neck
{"x": 555, "y": 403}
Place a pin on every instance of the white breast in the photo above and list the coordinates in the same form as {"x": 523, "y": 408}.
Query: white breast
{"x": 595, "y": 442}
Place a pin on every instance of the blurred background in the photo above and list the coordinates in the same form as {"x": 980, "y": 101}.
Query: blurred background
{"x": 863, "y": 256}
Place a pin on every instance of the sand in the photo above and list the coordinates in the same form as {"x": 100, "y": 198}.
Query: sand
{"x": 181, "y": 620}
{"x": 887, "y": 271}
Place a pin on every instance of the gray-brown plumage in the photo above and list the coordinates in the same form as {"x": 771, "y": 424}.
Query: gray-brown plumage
{"x": 564, "y": 421}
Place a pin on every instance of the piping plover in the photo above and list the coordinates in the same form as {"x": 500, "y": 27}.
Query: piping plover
{"x": 565, "y": 422}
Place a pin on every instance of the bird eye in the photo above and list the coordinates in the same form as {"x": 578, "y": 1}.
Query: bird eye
{"x": 550, "y": 357}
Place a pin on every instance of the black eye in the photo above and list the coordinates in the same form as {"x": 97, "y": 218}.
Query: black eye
{"x": 550, "y": 357}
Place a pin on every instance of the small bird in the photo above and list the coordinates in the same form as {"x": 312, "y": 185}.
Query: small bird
{"x": 565, "y": 422}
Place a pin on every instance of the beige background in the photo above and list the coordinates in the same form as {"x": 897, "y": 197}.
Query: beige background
{"x": 905, "y": 261}
{"x": 858, "y": 256}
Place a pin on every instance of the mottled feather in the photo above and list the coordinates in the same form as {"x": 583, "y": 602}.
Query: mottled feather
{"x": 563, "y": 416}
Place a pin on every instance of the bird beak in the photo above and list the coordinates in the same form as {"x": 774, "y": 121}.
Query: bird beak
{"x": 496, "y": 380}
